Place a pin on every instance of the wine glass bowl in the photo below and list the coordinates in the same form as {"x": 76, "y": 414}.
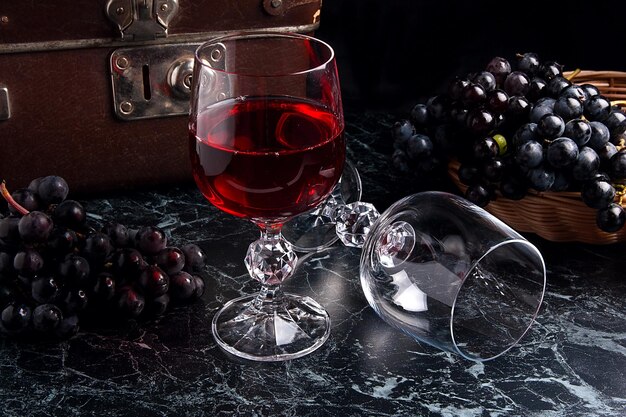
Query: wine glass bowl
{"x": 266, "y": 144}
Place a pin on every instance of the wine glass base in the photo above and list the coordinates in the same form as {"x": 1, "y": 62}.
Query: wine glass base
{"x": 275, "y": 331}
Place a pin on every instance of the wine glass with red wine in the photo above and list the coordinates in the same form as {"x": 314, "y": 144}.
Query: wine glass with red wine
{"x": 266, "y": 144}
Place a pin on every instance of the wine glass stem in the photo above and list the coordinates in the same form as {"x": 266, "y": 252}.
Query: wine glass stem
{"x": 270, "y": 259}
{"x": 269, "y": 294}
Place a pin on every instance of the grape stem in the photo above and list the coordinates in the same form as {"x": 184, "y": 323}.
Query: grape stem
{"x": 573, "y": 74}
{"x": 7, "y": 196}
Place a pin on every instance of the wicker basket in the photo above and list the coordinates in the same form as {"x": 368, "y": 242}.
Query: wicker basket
{"x": 559, "y": 216}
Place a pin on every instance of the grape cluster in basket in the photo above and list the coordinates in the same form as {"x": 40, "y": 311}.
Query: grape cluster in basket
{"x": 56, "y": 269}
{"x": 521, "y": 126}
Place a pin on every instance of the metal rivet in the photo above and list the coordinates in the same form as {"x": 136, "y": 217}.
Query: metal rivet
{"x": 164, "y": 7}
{"x": 122, "y": 62}
{"x": 188, "y": 80}
{"x": 126, "y": 107}
{"x": 4, "y": 19}
{"x": 216, "y": 54}
{"x": 276, "y": 3}
{"x": 120, "y": 10}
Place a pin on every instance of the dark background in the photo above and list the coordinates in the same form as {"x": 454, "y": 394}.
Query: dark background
{"x": 394, "y": 53}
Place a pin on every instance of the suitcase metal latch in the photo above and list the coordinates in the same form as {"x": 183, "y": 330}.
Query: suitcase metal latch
{"x": 142, "y": 19}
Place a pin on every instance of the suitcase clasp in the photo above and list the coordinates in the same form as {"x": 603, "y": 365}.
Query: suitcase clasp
{"x": 142, "y": 19}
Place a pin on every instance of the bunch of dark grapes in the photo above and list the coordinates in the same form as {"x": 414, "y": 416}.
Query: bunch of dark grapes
{"x": 57, "y": 270}
{"x": 520, "y": 127}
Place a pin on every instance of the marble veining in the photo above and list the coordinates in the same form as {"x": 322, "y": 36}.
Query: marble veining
{"x": 571, "y": 363}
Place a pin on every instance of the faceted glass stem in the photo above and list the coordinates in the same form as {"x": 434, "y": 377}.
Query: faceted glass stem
{"x": 271, "y": 325}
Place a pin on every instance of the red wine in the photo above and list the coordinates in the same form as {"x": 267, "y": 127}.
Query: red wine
{"x": 266, "y": 158}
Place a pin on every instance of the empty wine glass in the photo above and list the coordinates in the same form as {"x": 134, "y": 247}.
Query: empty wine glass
{"x": 266, "y": 144}
{"x": 451, "y": 274}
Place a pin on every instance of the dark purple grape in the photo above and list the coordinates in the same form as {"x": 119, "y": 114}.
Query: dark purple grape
{"x": 541, "y": 178}
{"x": 541, "y": 108}
{"x": 25, "y": 198}
{"x": 606, "y": 152}
{"x": 15, "y": 317}
{"x": 182, "y": 286}
{"x": 516, "y": 83}
{"x": 616, "y": 122}
{"x": 513, "y": 188}
{"x": 127, "y": 263}
{"x": 28, "y": 262}
{"x": 455, "y": 88}
{"x": 600, "y": 135}
{"x": 493, "y": 169}
{"x": 52, "y": 189}
{"x": 575, "y": 91}
{"x": 550, "y": 70}
{"x": 401, "y": 131}
{"x": 73, "y": 301}
{"x": 473, "y": 95}
{"x": 590, "y": 89}
{"x": 500, "y": 67}
{"x": 156, "y": 307}
{"x": 562, "y": 152}
{"x": 486, "y": 79}
{"x": 525, "y": 133}
{"x": 597, "y": 194}
{"x": 611, "y": 218}
{"x": 74, "y": 269}
{"x": 199, "y": 286}
{"x": 400, "y": 161}
{"x": 44, "y": 289}
{"x": 46, "y": 317}
{"x": 195, "y": 258}
{"x": 9, "y": 230}
{"x": 478, "y": 194}
{"x": 438, "y": 108}
{"x": 480, "y": 121}
{"x": 97, "y": 248}
{"x": 6, "y": 264}
{"x": 154, "y": 281}
{"x": 34, "y": 184}
{"x": 485, "y": 148}
{"x": 568, "y": 108}
{"x": 537, "y": 89}
{"x": 529, "y": 154}
{"x": 468, "y": 173}
{"x": 35, "y": 227}
{"x": 150, "y": 240}
{"x": 171, "y": 260}
{"x": 117, "y": 232}
{"x": 70, "y": 213}
{"x": 497, "y": 101}
{"x": 597, "y": 108}
{"x": 550, "y": 126}
{"x": 62, "y": 241}
{"x": 103, "y": 289}
{"x": 519, "y": 107}
{"x": 586, "y": 165}
{"x": 618, "y": 165}
{"x": 528, "y": 62}
{"x": 578, "y": 130}
{"x": 458, "y": 116}
{"x": 67, "y": 328}
{"x": 557, "y": 85}
{"x": 419, "y": 146}
{"x": 130, "y": 303}
{"x": 562, "y": 181}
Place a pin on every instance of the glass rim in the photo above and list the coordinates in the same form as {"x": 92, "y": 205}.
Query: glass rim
{"x": 243, "y": 34}
{"x": 529, "y": 324}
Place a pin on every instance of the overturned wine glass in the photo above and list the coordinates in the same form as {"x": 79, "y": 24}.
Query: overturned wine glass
{"x": 446, "y": 272}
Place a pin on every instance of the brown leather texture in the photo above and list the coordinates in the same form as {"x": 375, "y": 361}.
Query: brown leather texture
{"x": 62, "y": 118}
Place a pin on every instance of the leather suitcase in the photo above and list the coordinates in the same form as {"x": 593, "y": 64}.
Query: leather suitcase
{"x": 97, "y": 91}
